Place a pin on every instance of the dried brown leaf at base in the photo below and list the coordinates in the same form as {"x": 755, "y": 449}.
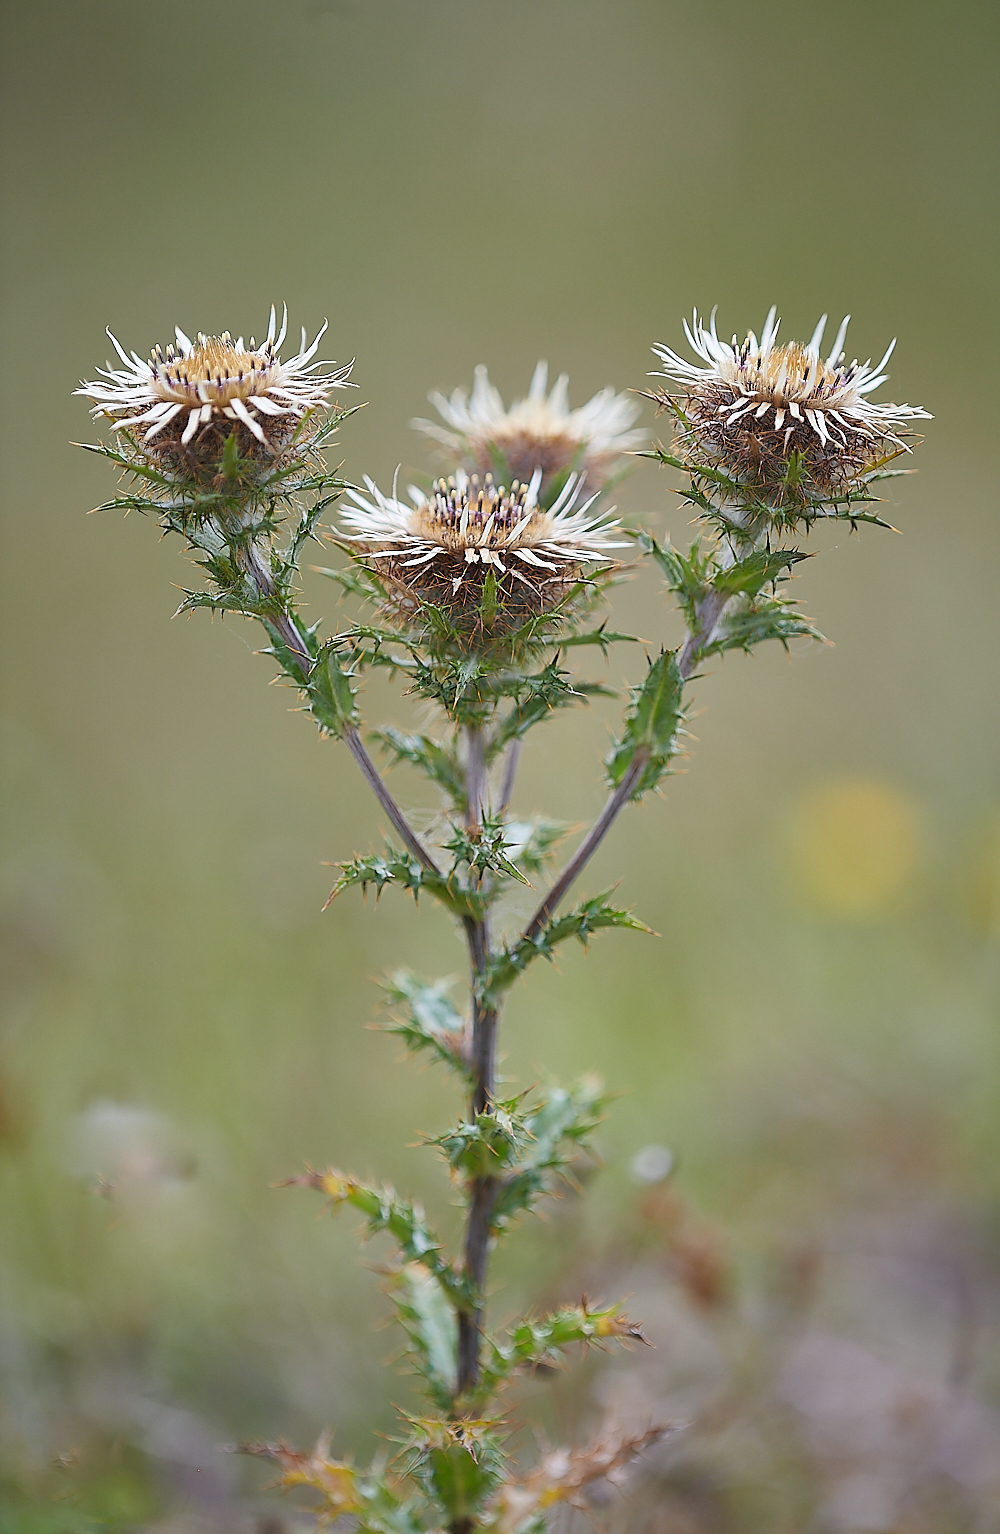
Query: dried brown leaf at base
{"x": 335, "y": 1480}
{"x": 563, "y": 1475}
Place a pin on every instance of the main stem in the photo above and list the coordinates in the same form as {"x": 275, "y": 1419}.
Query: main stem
{"x": 485, "y": 1019}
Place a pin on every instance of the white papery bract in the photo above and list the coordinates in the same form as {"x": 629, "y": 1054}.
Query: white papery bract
{"x": 481, "y": 434}
{"x": 755, "y": 403}
{"x": 482, "y": 524}
{"x": 214, "y": 381}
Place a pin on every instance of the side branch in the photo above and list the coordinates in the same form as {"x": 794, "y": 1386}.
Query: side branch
{"x": 589, "y": 845}
{"x": 708, "y": 614}
{"x": 291, "y": 635}
{"x": 394, "y": 814}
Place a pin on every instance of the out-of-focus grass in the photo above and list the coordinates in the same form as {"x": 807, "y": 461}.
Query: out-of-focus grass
{"x": 813, "y": 1034}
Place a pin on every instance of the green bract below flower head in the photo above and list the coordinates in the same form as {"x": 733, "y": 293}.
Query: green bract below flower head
{"x": 179, "y": 409}
{"x": 483, "y": 435}
{"x": 764, "y": 414}
{"x": 488, "y": 558}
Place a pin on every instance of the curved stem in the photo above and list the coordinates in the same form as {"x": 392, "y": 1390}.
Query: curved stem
{"x": 590, "y": 843}
{"x": 707, "y": 619}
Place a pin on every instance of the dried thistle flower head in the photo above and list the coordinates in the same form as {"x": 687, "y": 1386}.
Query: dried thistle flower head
{"x": 538, "y": 432}
{"x": 488, "y": 556}
{"x": 179, "y": 408}
{"x": 758, "y": 406}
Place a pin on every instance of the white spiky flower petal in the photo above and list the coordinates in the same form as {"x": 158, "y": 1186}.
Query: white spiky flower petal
{"x": 539, "y": 431}
{"x": 481, "y": 524}
{"x": 761, "y": 381}
{"x": 194, "y": 384}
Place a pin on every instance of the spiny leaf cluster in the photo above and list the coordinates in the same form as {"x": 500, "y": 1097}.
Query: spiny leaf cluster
{"x": 385, "y": 1210}
{"x": 652, "y": 727}
{"x": 378, "y": 1502}
{"x": 555, "y": 1130}
{"x": 590, "y": 916}
{"x": 426, "y": 1020}
{"x": 458, "y": 1464}
{"x": 539, "y": 1342}
{"x": 754, "y": 610}
{"x": 731, "y": 505}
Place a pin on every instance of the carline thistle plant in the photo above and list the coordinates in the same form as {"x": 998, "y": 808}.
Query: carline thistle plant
{"x": 476, "y": 593}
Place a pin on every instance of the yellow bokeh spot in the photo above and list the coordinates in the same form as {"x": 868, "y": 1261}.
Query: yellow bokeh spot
{"x": 856, "y": 846}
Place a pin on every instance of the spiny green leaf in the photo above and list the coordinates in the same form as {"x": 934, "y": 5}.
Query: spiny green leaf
{"x": 484, "y": 1145}
{"x": 751, "y": 623}
{"x": 305, "y": 532}
{"x": 488, "y": 599}
{"x": 403, "y": 870}
{"x": 652, "y": 725}
{"x": 558, "y": 1126}
{"x": 482, "y": 849}
{"x": 434, "y": 759}
{"x": 329, "y": 691}
{"x": 429, "y": 1319}
{"x": 458, "y": 1462}
{"x": 385, "y": 1210}
{"x": 588, "y": 917}
{"x": 536, "y": 697}
{"x": 368, "y": 1496}
{"x": 602, "y": 636}
{"x": 687, "y": 575}
{"x": 355, "y": 582}
{"x": 539, "y": 1341}
{"x": 429, "y": 1020}
{"x": 231, "y": 457}
{"x": 761, "y": 568}
{"x": 561, "y": 1113}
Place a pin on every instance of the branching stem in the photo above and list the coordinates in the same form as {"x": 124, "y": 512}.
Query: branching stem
{"x": 708, "y": 615}
{"x": 485, "y": 1019}
{"x": 590, "y": 843}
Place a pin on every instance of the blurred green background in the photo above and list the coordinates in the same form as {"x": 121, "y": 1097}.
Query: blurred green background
{"x": 814, "y": 1035}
